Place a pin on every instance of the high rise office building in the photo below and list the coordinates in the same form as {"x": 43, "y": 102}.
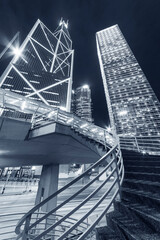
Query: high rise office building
{"x": 133, "y": 106}
{"x": 42, "y": 66}
{"x": 82, "y": 103}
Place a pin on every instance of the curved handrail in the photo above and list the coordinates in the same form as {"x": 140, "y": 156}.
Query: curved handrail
{"x": 74, "y": 195}
{"x": 114, "y": 161}
{"x": 62, "y": 189}
{"x": 143, "y": 144}
{"x": 81, "y": 204}
{"x": 11, "y": 224}
{"x": 120, "y": 169}
{"x": 82, "y": 126}
{"x": 112, "y": 157}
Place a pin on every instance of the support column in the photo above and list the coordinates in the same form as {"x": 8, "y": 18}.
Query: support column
{"x": 48, "y": 185}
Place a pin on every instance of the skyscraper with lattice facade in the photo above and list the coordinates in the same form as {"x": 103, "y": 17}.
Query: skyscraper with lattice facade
{"x": 42, "y": 66}
{"x": 133, "y": 106}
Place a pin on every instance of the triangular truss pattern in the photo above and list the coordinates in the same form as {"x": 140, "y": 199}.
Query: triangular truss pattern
{"x": 43, "y": 70}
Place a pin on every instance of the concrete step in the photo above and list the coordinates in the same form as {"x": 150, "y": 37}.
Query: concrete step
{"x": 143, "y": 169}
{"x": 141, "y": 157}
{"x": 137, "y": 217}
{"x": 106, "y": 233}
{"x": 112, "y": 224}
{"x": 149, "y": 215}
{"x": 154, "y": 177}
{"x": 135, "y": 162}
{"x": 131, "y": 228}
{"x": 144, "y": 185}
{"x": 141, "y": 197}
{"x": 138, "y": 157}
{"x": 128, "y": 154}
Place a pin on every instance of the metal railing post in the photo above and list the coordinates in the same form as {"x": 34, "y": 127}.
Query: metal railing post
{"x": 105, "y": 139}
{"x": 137, "y": 144}
{"x": 6, "y": 182}
{"x": 56, "y": 117}
{"x": 117, "y": 175}
{"x": 26, "y": 227}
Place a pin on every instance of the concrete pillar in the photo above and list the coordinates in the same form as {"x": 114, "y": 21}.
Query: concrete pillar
{"x": 48, "y": 184}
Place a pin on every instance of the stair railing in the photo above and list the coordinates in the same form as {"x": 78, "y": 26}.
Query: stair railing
{"x": 37, "y": 224}
{"x": 87, "y": 129}
{"x": 112, "y": 161}
{"x": 143, "y": 144}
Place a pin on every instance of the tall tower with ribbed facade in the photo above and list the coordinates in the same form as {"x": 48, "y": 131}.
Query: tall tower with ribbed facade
{"x": 133, "y": 106}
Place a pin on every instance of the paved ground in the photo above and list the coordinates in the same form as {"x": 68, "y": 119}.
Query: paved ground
{"x": 16, "y": 187}
{"x": 16, "y": 201}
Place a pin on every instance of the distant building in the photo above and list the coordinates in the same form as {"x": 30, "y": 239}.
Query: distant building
{"x": 133, "y": 106}
{"x": 82, "y": 103}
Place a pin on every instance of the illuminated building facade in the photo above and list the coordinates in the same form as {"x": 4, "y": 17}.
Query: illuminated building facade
{"x": 133, "y": 106}
{"x": 42, "y": 66}
{"x": 82, "y": 103}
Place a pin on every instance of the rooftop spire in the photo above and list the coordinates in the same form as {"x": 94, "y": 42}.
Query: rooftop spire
{"x": 62, "y": 22}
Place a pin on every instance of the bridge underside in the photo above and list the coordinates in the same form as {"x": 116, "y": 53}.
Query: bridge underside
{"x": 51, "y": 144}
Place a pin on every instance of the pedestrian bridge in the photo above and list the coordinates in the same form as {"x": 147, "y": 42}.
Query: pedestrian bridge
{"x": 46, "y": 135}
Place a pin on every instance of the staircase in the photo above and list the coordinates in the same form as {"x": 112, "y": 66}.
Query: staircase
{"x": 137, "y": 215}
{"x": 39, "y": 225}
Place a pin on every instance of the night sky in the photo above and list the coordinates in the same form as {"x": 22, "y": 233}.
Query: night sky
{"x": 138, "y": 20}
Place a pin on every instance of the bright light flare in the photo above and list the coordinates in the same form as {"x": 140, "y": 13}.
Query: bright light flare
{"x": 17, "y": 51}
{"x": 63, "y": 22}
{"x": 85, "y": 86}
{"x": 108, "y": 129}
{"x": 23, "y": 105}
